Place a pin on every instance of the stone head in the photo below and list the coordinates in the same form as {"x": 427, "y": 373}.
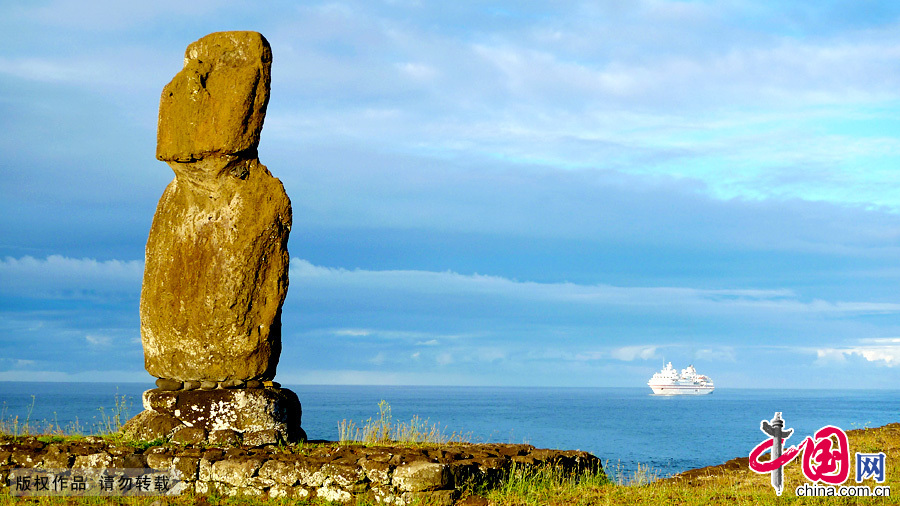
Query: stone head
{"x": 215, "y": 106}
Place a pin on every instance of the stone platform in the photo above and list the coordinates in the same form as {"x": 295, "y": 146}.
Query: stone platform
{"x": 385, "y": 474}
{"x": 251, "y": 416}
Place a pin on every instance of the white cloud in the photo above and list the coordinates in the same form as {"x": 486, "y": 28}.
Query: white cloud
{"x": 420, "y": 338}
{"x": 662, "y": 298}
{"x": 587, "y": 356}
{"x": 63, "y": 277}
{"x": 880, "y": 350}
{"x": 491, "y": 354}
{"x": 444, "y": 359}
{"x": 97, "y": 340}
{"x": 352, "y": 332}
{"x": 630, "y": 353}
{"x": 719, "y": 354}
{"x": 418, "y": 71}
{"x": 136, "y": 376}
{"x": 361, "y": 377}
{"x": 113, "y": 16}
{"x": 16, "y": 363}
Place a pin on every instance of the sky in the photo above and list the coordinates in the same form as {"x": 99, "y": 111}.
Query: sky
{"x": 484, "y": 193}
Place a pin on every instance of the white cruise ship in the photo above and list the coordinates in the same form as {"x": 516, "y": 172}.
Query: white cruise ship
{"x": 688, "y": 382}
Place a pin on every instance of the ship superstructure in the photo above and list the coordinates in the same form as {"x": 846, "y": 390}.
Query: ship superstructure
{"x": 670, "y": 382}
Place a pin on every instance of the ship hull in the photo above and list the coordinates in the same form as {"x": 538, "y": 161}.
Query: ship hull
{"x": 681, "y": 389}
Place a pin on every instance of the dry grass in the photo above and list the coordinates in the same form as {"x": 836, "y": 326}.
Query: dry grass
{"x": 384, "y": 430}
{"x": 109, "y": 424}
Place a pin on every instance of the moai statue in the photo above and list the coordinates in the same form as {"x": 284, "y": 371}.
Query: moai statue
{"x": 216, "y": 271}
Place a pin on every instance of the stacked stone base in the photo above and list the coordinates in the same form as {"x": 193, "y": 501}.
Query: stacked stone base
{"x": 243, "y": 416}
{"x": 396, "y": 475}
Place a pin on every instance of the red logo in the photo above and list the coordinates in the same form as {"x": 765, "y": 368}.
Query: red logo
{"x": 826, "y": 455}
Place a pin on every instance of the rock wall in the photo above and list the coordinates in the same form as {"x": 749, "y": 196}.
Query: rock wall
{"x": 385, "y": 474}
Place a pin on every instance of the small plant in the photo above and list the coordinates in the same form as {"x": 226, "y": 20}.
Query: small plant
{"x": 51, "y": 439}
{"x": 12, "y": 426}
{"x": 109, "y": 425}
{"x": 112, "y": 423}
{"x": 535, "y": 484}
{"x": 383, "y": 430}
{"x": 143, "y": 445}
{"x": 643, "y": 475}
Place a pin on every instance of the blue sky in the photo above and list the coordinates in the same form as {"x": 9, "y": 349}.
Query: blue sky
{"x": 519, "y": 193}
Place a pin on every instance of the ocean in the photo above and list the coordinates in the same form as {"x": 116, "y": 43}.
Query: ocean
{"x": 623, "y": 426}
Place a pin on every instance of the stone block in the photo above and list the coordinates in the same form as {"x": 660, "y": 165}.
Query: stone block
{"x": 262, "y": 438}
{"x": 343, "y": 475}
{"x": 234, "y": 472}
{"x": 421, "y": 476}
{"x": 311, "y": 474}
{"x": 377, "y": 472}
{"x": 187, "y": 467}
{"x": 280, "y": 472}
{"x": 189, "y": 435}
{"x": 224, "y": 437}
{"x": 264, "y": 415}
{"x": 160, "y": 461}
{"x": 150, "y": 425}
{"x": 95, "y": 461}
{"x": 333, "y": 493}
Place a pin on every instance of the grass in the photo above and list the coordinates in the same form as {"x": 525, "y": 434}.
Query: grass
{"x": 384, "y": 430}
{"x": 108, "y": 426}
{"x": 725, "y": 485}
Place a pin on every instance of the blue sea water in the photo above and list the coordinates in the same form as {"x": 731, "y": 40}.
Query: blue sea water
{"x": 622, "y": 426}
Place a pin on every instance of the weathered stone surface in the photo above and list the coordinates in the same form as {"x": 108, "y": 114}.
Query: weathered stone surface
{"x": 420, "y": 476}
{"x": 279, "y": 471}
{"x": 168, "y": 384}
{"x": 95, "y": 461}
{"x": 56, "y": 457}
{"x": 216, "y": 104}
{"x": 150, "y": 425}
{"x": 235, "y": 472}
{"x": 334, "y": 494}
{"x": 224, "y": 437}
{"x": 160, "y": 461}
{"x": 343, "y": 475}
{"x": 188, "y": 435}
{"x": 239, "y": 410}
{"x": 216, "y": 270}
{"x": 262, "y": 438}
{"x": 377, "y": 472}
{"x": 187, "y": 467}
{"x": 335, "y": 472}
{"x": 254, "y": 417}
{"x": 215, "y": 278}
{"x": 278, "y": 490}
